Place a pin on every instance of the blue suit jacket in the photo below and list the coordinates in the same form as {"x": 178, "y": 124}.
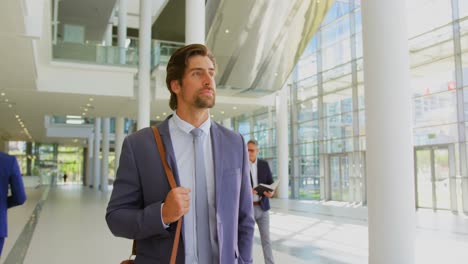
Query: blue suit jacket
{"x": 264, "y": 176}
{"x": 134, "y": 209}
{"x": 9, "y": 176}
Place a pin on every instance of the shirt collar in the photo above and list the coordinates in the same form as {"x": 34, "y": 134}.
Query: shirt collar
{"x": 187, "y": 127}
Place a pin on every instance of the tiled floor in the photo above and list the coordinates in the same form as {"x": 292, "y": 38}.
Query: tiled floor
{"x": 71, "y": 229}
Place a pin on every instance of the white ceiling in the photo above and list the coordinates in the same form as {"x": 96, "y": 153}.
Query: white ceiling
{"x": 18, "y": 67}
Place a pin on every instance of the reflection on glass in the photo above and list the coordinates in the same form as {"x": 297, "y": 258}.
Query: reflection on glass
{"x": 339, "y": 175}
{"x": 424, "y": 178}
{"x": 441, "y": 178}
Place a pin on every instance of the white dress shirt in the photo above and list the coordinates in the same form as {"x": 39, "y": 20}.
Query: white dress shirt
{"x": 254, "y": 175}
{"x": 182, "y": 141}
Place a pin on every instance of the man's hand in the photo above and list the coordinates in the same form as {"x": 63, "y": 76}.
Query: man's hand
{"x": 269, "y": 194}
{"x": 254, "y": 192}
{"x": 176, "y": 205}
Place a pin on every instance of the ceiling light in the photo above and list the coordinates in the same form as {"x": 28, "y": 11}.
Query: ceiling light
{"x": 6, "y": 100}
{"x": 226, "y": 31}
{"x": 3, "y": 94}
{"x": 164, "y": 114}
{"x": 234, "y": 107}
{"x": 75, "y": 121}
{"x": 73, "y": 116}
{"x": 222, "y": 112}
{"x": 91, "y": 99}
{"x": 212, "y": 116}
{"x": 10, "y": 105}
{"x": 158, "y": 117}
{"x": 17, "y": 116}
{"x": 88, "y": 104}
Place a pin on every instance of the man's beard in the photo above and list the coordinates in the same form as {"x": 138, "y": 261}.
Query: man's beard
{"x": 201, "y": 102}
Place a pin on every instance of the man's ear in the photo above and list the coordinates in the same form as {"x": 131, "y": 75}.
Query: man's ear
{"x": 175, "y": 86}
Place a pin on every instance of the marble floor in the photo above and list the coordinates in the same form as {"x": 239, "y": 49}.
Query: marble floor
{"x": 65, "y": 224}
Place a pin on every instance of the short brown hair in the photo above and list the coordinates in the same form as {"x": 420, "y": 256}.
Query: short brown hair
{"x": 178, "y": 63}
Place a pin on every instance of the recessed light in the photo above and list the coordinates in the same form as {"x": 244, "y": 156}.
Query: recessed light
{"x": 158, "y": 117}
{"x": 222, "y": 112}
{"x": 91, "y": 99}
{"x": 10, "y": 105}
{"x": 17, "y": 116}
{"x": 226, "y": 31}
{"x": 164, "y": 114}
{"x": 3, "y": 94}
{"x": 234, "y": 107}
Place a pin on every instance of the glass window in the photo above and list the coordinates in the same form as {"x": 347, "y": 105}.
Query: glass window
{"x": 307, "y": 66}
{"x": 434, "y": 135}
{"x": 338, "y": 126}
{"x": 309, "y": 188}
{"x": 424, "y": 15}
{"x": 337, "y": 78}
{"x": 339, "y": 145}
{"x": 308, "y": 149}
{"x": 362, "y": 122}
{"x": 436, "y": 109}
{"x": 434, "y": 46}
{"x": 464, "y": 45}
{"x": 336, "y": 54}
{"x": 361, "y": 97}
{"x": 337, "y": 103}
{"x": 463, "y": 8}
{"x": 308, "y": 131}
{"x": 338, "y": 9}
{"x": 307, "y": 110}
{"x": 244, "y": 127}
{"x": 307, "y": 88}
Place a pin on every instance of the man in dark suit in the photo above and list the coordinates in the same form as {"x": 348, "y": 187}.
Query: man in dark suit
{"x": 260, "y": 173}
{"x": 144, "y": 208}
{"x": 10, "y": 176}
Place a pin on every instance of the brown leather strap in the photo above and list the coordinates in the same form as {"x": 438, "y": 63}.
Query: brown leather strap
{"x": 173, "y": 184}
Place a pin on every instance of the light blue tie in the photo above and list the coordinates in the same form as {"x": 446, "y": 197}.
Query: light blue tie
{"x": 201, "y": 200}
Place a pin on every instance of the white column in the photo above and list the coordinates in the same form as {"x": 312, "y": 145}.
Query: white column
{"x": 144, "y": 65}
{"x": 89, "y": 168}
{"x": 390, "y": 175}
{"x": 194, "y": 21}
{"x": 55, "y": 22}
{"x": 97, "y": 148}
{"x": 119, "y": 137}
{"x": 122, "y": 30}
{"x": 105, "y": 155}
{"x": 282, "y": 148}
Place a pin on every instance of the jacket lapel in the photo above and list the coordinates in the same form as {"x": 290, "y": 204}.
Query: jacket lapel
{"x": 217, "y": 158}
{"x": 170, "y": 156}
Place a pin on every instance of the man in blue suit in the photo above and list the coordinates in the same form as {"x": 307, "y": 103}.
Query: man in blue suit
{"x": 260, "y": 173}
{"x": 142, "y": 205}
{"x": 10, "y": 176}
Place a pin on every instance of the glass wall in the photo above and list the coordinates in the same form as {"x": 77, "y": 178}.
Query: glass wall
{"x": 327, "y": 128}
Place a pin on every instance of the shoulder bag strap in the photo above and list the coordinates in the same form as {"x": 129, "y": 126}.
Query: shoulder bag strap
{"x": 172, "y": 183}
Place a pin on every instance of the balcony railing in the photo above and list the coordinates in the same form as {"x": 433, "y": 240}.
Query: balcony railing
{"x": 110, "y": 55}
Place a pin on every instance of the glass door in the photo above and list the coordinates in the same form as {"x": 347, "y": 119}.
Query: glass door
{"x": 339, "y": 177}
{"x": 432, "y": 177}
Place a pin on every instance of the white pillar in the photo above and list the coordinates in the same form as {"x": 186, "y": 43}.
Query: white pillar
{"x": 55, "y": 22}
{"x": 105, "y": 155}
{"x": 144, "y": 65}
{"x": 122, "y": 30}
{"x": 282, "y": 148}
{"x": 390, "y": 173}
{"x": 119, "y": 137}
{"x": 89, "y": 168}
{"x": 194, "y": 21}
{"x": 97, "y": 148}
